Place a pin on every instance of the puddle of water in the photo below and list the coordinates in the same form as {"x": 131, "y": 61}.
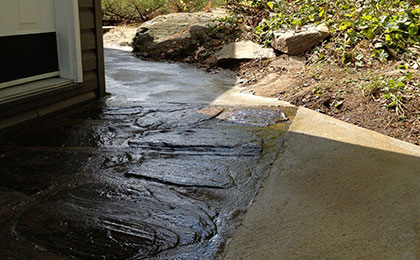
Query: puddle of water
{"x": 135, "y": 179}
{"x": 254, "y": 116}
{"x": 131, "y": 79}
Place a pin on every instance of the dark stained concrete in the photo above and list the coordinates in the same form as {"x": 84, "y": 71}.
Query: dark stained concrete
{"x": 151, "y": 172}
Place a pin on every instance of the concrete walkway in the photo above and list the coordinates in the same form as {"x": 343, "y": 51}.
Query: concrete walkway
{"x": 336, "y": 191}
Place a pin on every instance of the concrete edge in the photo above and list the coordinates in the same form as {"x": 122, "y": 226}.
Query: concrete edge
{"x": 235, "y": 97}
{"x": 316, "y": 124}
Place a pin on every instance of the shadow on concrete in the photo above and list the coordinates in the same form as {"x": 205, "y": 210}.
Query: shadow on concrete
{"x": 332, "y": 200}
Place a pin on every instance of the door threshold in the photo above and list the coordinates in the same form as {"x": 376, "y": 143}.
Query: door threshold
{"x": 34, "y": 87}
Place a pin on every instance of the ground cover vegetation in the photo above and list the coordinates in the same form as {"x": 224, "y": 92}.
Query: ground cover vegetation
{"x": 391, "y": 27}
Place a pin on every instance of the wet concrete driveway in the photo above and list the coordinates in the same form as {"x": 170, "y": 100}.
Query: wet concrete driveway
{"x": 151, "y": 172}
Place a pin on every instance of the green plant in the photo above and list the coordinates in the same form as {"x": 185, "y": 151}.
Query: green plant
{"x": 393, "y": 94}
{"x": 391, "y": 27}
{"x": 392, "y": 89}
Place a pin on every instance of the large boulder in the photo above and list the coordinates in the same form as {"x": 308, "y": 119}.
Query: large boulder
{"x": 172, "y": 31}
{"x": 297, "y": 42}
{"x": 244, "y": 50}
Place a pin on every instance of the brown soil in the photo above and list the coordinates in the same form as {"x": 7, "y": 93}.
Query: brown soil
{"x": 120, "y": 35}
{"x": 337, "y": 91}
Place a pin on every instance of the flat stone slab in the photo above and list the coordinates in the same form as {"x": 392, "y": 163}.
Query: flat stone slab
{"x": 244, "y": 50}
{"x": 297, "y": 42}
{"x": 254, "y": 116}
{"x": 158, "y": 181}
{"x": 150, "y": 172}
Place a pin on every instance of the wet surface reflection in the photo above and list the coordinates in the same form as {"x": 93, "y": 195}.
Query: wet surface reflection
{"x": 124, "y": 179}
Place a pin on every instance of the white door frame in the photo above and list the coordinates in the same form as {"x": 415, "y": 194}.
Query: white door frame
{"x": 67, "y": 28}
{"x": 69, "y": 45}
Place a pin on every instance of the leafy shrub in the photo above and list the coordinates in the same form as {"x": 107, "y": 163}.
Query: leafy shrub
{"x": 390, "y": 26}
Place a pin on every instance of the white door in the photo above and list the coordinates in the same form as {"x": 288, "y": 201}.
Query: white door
{"x": 39, "y": 39}
{"x": 26, "y": 16}
{"x": 24, "y": 28}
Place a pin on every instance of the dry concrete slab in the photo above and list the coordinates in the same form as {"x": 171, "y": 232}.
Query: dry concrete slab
{"x": 234, "y": 97}
{"x": 336, "y": 191}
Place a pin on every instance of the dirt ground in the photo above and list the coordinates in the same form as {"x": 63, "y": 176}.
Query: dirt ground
{"x": 327, "y": 88}
{"x": 338, "y": 92}
{"x": 119, "y": 35}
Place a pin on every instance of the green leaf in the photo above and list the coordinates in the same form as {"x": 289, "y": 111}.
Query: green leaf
{"x": 392, "y": 104}
{"x": 367, "y": 17}
{"x": 413, "y": 29}
{"x": 415, "y": 11}
{"x": 297, "y": 22}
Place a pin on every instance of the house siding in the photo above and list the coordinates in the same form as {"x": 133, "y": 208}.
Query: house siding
{"x": 33, "y": 107}
{"x": 92, "y": 44}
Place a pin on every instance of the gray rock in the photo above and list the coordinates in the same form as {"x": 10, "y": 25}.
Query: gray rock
{"x": 297, "y": 42}
{"x": 244, "y": 50}
{"x": 172, "y": 30}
